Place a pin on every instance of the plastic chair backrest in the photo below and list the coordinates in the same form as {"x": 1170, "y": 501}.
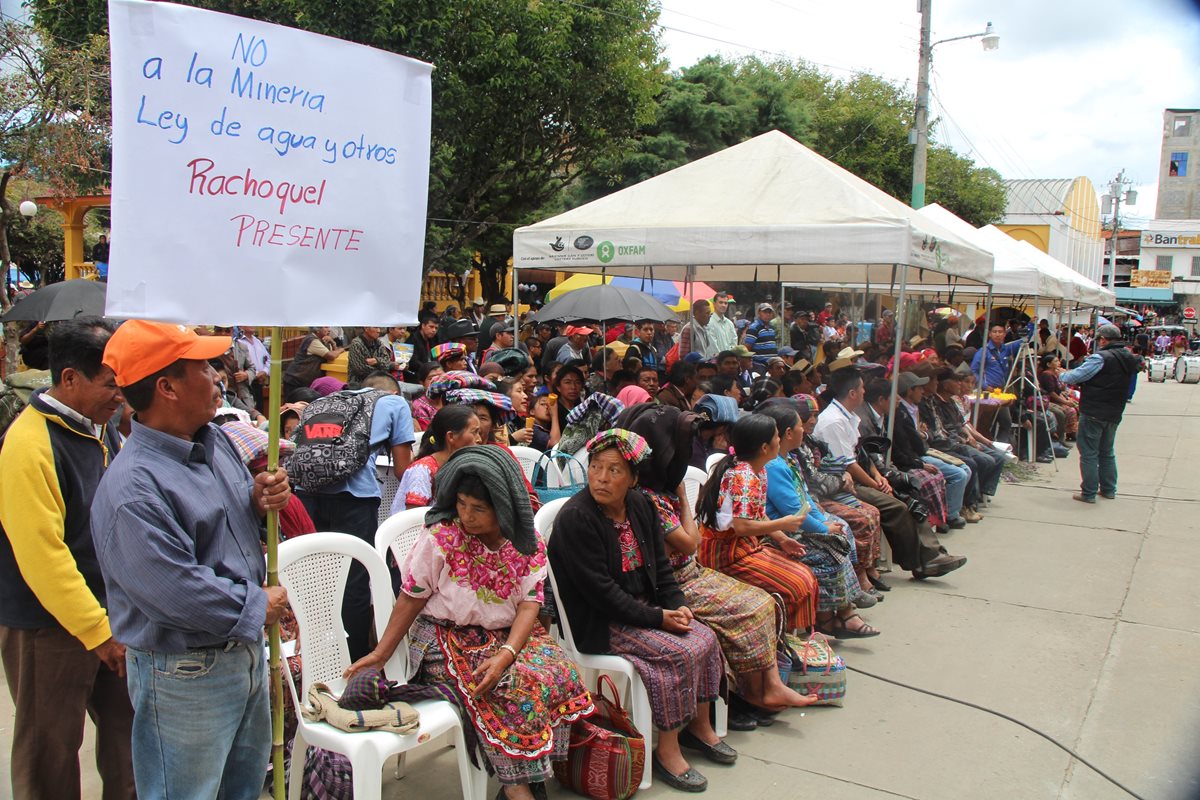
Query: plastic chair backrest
{"x": 389, "y": 484}
{"x": 313, "y": 569}
{"x": 543, "y": 523}
{"x": 712, "y": 461}
{"x": 692, "y": 481}
{"x": 527, "y": 457}
{"x": 399, "y": 533}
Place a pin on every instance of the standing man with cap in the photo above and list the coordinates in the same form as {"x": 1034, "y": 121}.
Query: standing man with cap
{"x": 575, "y": 347}
{"x": 496, "y": 314}
{"x": 760, "y": 336}
{"x": 1103, "y": 381}
{"x": 177, "y": 524}
{"x": 476, "y": 314}
{"x": 60, "y": 658}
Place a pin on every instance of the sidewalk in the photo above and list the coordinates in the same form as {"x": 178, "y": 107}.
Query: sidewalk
{"x": 1080, "y": 620}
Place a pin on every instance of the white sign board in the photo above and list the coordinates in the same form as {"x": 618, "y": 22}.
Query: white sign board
{"x": 263, "y": 175}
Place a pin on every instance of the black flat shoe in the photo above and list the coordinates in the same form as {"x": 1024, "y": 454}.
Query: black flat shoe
{"x": 719, "y": 753}
{"x": 690, "y": 781}
{"x": 741, "y": 721}
{"x": 879, "y": 584}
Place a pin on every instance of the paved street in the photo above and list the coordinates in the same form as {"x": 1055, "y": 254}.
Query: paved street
{"x": 1083, "y": 621}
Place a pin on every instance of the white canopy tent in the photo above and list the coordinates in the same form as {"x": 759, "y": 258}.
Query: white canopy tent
{"x": 1015, "y": 274}
{"x": 1086, "y": 292}
{"x": 768, "y": 208}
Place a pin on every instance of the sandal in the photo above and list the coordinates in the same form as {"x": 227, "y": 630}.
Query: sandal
{"x": 837, "y": 629}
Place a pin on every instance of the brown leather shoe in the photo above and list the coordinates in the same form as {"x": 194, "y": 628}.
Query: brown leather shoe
{"x": 939, "y": 566}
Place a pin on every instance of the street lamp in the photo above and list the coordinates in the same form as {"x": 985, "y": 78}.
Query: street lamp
{"x": 28, "y": 209}
{"x": 990, "y": 41}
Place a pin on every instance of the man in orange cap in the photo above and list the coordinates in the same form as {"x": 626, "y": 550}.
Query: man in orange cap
{"x": 176, "y": 522}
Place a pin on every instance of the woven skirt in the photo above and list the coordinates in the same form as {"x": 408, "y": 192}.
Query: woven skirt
{"x": 524, "y": 722}
{"x": 863, "y": 520}
{"x": 742, "y": 616}
{"x": 745, "y": 558}
{"x": 679, "y": 671}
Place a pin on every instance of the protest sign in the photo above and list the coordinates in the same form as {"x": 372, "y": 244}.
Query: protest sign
{"x": 262, "y": 174}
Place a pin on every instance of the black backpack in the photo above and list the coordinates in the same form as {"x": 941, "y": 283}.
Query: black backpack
{"x": 333, "y": 439}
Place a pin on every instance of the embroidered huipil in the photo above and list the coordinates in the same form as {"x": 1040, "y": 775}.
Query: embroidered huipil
{"x": 468, "y": 584}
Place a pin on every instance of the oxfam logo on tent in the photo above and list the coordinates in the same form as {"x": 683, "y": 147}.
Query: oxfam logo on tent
{"x": 605, "y": 252}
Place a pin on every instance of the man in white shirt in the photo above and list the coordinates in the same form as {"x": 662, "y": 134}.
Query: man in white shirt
{"x": 914, "y": 546}
{"x": 722, "y": 333}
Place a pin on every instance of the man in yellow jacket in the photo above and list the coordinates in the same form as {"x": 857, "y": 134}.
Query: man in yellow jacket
{"x": 60, "y": 659}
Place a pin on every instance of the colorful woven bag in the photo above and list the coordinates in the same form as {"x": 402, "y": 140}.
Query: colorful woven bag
{"x": 607, "y": 753}
{"x": 818, "y": 670}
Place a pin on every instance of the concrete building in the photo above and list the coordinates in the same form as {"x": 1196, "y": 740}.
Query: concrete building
{"x": 1178, "y": 170}
{"x": 1170, "y": 255}
{"x": 1060, "y": 217}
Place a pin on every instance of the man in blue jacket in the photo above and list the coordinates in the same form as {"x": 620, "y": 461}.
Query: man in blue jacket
{"x": 997, "y": 359}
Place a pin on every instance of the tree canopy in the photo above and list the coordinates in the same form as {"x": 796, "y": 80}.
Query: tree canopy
{"x": 861, "y": 123}
{"x": 540, "y": 105}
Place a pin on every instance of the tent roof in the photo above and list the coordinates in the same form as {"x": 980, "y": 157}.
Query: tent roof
{"x": 1015, "y": 273}
{"x": 768, "y": 208}
{"x": 1085, "y": 290}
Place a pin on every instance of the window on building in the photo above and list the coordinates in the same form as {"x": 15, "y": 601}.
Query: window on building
{"x": 1164, "y": 262}
{"x": 1178, "y": 167}
{"x": 1196, "y": 266}
{"x": 1182, "y": 126}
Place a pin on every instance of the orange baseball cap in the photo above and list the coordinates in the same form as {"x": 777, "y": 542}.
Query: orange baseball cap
{"x": 141, "y": 348}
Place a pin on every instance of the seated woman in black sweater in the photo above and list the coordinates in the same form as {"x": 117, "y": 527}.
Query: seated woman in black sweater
{"x": 619, "y": 592}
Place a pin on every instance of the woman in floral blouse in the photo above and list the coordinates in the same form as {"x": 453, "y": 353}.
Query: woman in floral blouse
{"x": 469, "y": 600}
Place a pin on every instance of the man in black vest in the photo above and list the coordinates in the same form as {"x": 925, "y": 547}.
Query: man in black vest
{"x": 1103, "y": 380}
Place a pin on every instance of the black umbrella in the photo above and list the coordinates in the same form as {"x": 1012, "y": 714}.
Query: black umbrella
{"x": 66, "y": 300}
{"x": 604, "y": 303}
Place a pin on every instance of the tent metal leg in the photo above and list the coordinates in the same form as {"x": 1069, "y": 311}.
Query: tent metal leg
{"x": 987, "y": 321}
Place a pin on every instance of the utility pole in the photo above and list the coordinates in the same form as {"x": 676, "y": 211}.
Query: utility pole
{"x": 921, "y": 111}
{"x": 1115, "y": 187}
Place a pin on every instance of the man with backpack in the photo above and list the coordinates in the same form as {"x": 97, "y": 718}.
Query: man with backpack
{"x": 333, "y": 469}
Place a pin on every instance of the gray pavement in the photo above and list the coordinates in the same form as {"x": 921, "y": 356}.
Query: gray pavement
{"x": 1082, "y": 621}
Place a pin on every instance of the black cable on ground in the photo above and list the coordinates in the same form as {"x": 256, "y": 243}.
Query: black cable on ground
{"x": 1013, "y": 720}
{"x": 1122, "y": 494}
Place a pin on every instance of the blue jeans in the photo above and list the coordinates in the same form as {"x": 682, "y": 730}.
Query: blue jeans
{"x": 956, "y": 484}
{"x": 201, "y": 723}
{"x": 1096, "y": 441}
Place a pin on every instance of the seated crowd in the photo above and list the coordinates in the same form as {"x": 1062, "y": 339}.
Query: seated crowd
{"x": 784, "y": 535}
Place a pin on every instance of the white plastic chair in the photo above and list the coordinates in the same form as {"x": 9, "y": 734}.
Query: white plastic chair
{"x": 527, "y": 457}
{"x": 712, "y": 461}
{"x": 636, "y": 699}
{"x": 313, "y": 569}
{"x": 399, "y": 533}
{"x": 388, "y": 486}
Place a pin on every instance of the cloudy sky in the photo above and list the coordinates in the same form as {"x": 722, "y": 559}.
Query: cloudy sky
{"x": 1077, "y": 87}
